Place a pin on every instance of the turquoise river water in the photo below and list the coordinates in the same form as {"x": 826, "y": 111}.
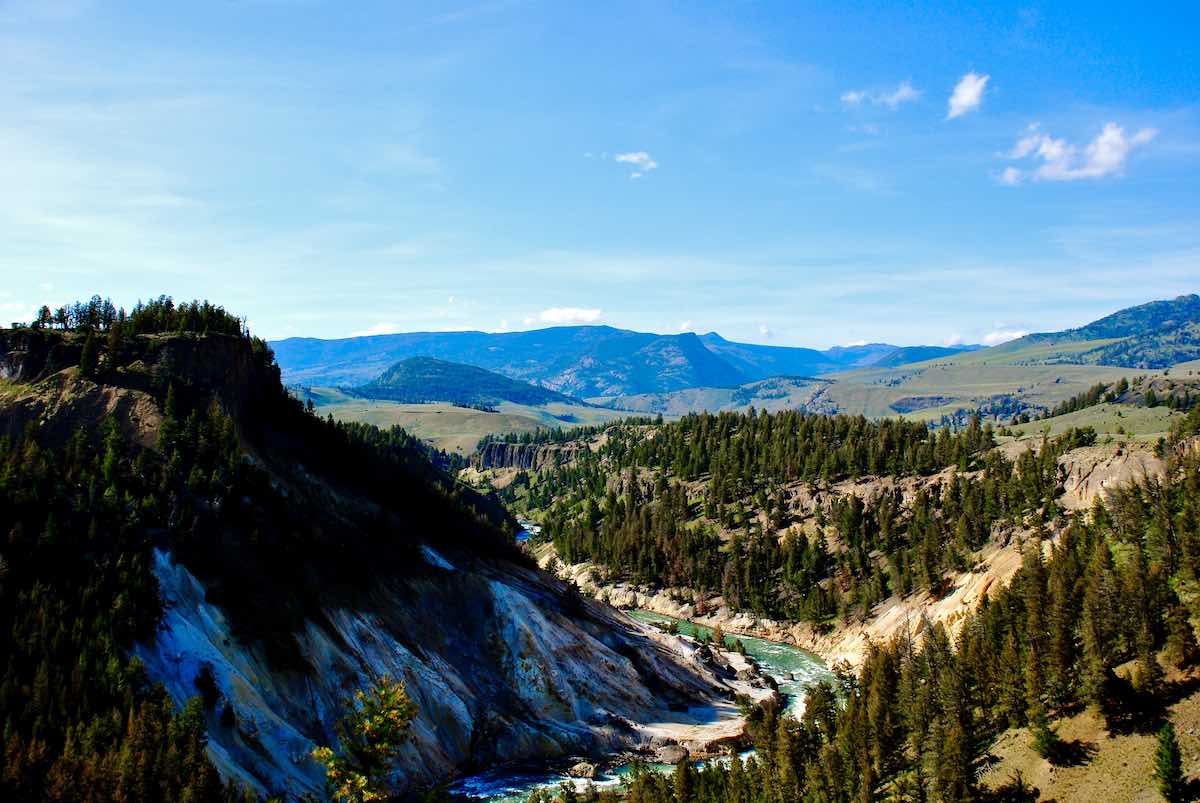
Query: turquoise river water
{"x": 792, "y": 668}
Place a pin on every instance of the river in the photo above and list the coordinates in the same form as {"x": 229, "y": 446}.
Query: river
{"x": 794, "y": 669}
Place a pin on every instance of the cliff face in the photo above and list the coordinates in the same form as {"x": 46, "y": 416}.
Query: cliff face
{"x": 527, "y": 456}
{"x": 500, "y": 669}
{"x": 46, "y": 388}
{"x": 27, "y": 355}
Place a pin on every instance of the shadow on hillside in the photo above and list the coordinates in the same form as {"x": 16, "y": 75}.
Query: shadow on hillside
{"x": 1127, "y": 710}
{"x": 1014, "y": 791}
{"x": 1071, "y": 754}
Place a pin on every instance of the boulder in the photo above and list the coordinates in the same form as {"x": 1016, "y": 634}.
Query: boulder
{"x": 670, "y": 754}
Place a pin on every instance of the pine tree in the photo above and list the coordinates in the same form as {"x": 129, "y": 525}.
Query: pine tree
{"x": 89, "y": 358}
{"x": 1098, "y": 630}
{"x": 1168, "y": 764}
{"x": 369, "y": 736}
{"x": 1181, "y": 639}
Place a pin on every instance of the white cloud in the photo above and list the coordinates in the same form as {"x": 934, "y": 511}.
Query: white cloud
{"x": 1010, "y": 176}
{"x": 952, "y": 340}
{"x": 765, "y": 331}
{"x": 450, "y": 300}
{"x": 642, "y": 162}
{"x": 685, "y": 326}
{"x": 856, "y": 343}
{"x": 567, "y": 315}
{"x": 1003, "y": 336}
{"x": 904, "y": 92}
{"x": 967, "y": 95}
{"x": 381, "y": 328}
{"x": 1063, "y": 161}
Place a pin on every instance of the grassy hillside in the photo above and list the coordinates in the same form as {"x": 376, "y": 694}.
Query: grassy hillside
{"x": 453, "y": 428}
{"x": 1120, "y": 422}
{"x": 1022, "y": 376}
{"x": 1154, "y": 335}
{"x": 775, "y": 393}
{"x": 922, "y": 391}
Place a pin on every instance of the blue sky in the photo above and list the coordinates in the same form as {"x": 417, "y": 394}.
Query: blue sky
{"x": 777, "y": 172}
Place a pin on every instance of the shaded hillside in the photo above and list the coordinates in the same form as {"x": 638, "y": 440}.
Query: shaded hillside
{"x": 758, "y": 362}
{"x": 162, "y": 495}
{"x": 426, "y": 379}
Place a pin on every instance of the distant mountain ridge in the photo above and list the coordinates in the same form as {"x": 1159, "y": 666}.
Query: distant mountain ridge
{"x": 603, "y": 361}
{"x": 579, "y": 361}
{"x": 428, "y": 379}
{"x": 1157, "y": 334}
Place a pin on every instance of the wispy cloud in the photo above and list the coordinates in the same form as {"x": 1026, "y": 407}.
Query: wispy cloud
{"x": 1009, "y": 176}
{"x": 1063, "y": 161}
{"x": 559, "y": 316}
{"x": 381, "y": 328}
{"x": 893, "y": 99}
{"x": 765, "y": 331}
{"x": 685, "y": 326}
{"x": 641, "y": 161}
{"x": 1002, "y": 336}
{"x": 967, "y": 94}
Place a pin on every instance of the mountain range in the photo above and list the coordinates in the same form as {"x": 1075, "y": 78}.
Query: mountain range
{"x": 582, "y": 361}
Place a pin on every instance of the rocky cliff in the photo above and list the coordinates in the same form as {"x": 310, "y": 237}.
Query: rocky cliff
{"x": 527, "y": 456}
{"x": 500, "y": 668}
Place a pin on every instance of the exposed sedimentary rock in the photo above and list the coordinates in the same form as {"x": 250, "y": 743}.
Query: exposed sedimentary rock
{"x": 527, "y": 456}
{"x": 500, "y": 671}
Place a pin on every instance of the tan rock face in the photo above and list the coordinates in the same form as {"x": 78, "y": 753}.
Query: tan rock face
{"x": 1090, "y": 471}
{"x": 527, "y": 456}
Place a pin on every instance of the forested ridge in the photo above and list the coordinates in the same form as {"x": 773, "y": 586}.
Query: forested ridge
{"x": 81, "y": 516}
{"x": 1099, "y": 614}
{"x": 703, "y": 503}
